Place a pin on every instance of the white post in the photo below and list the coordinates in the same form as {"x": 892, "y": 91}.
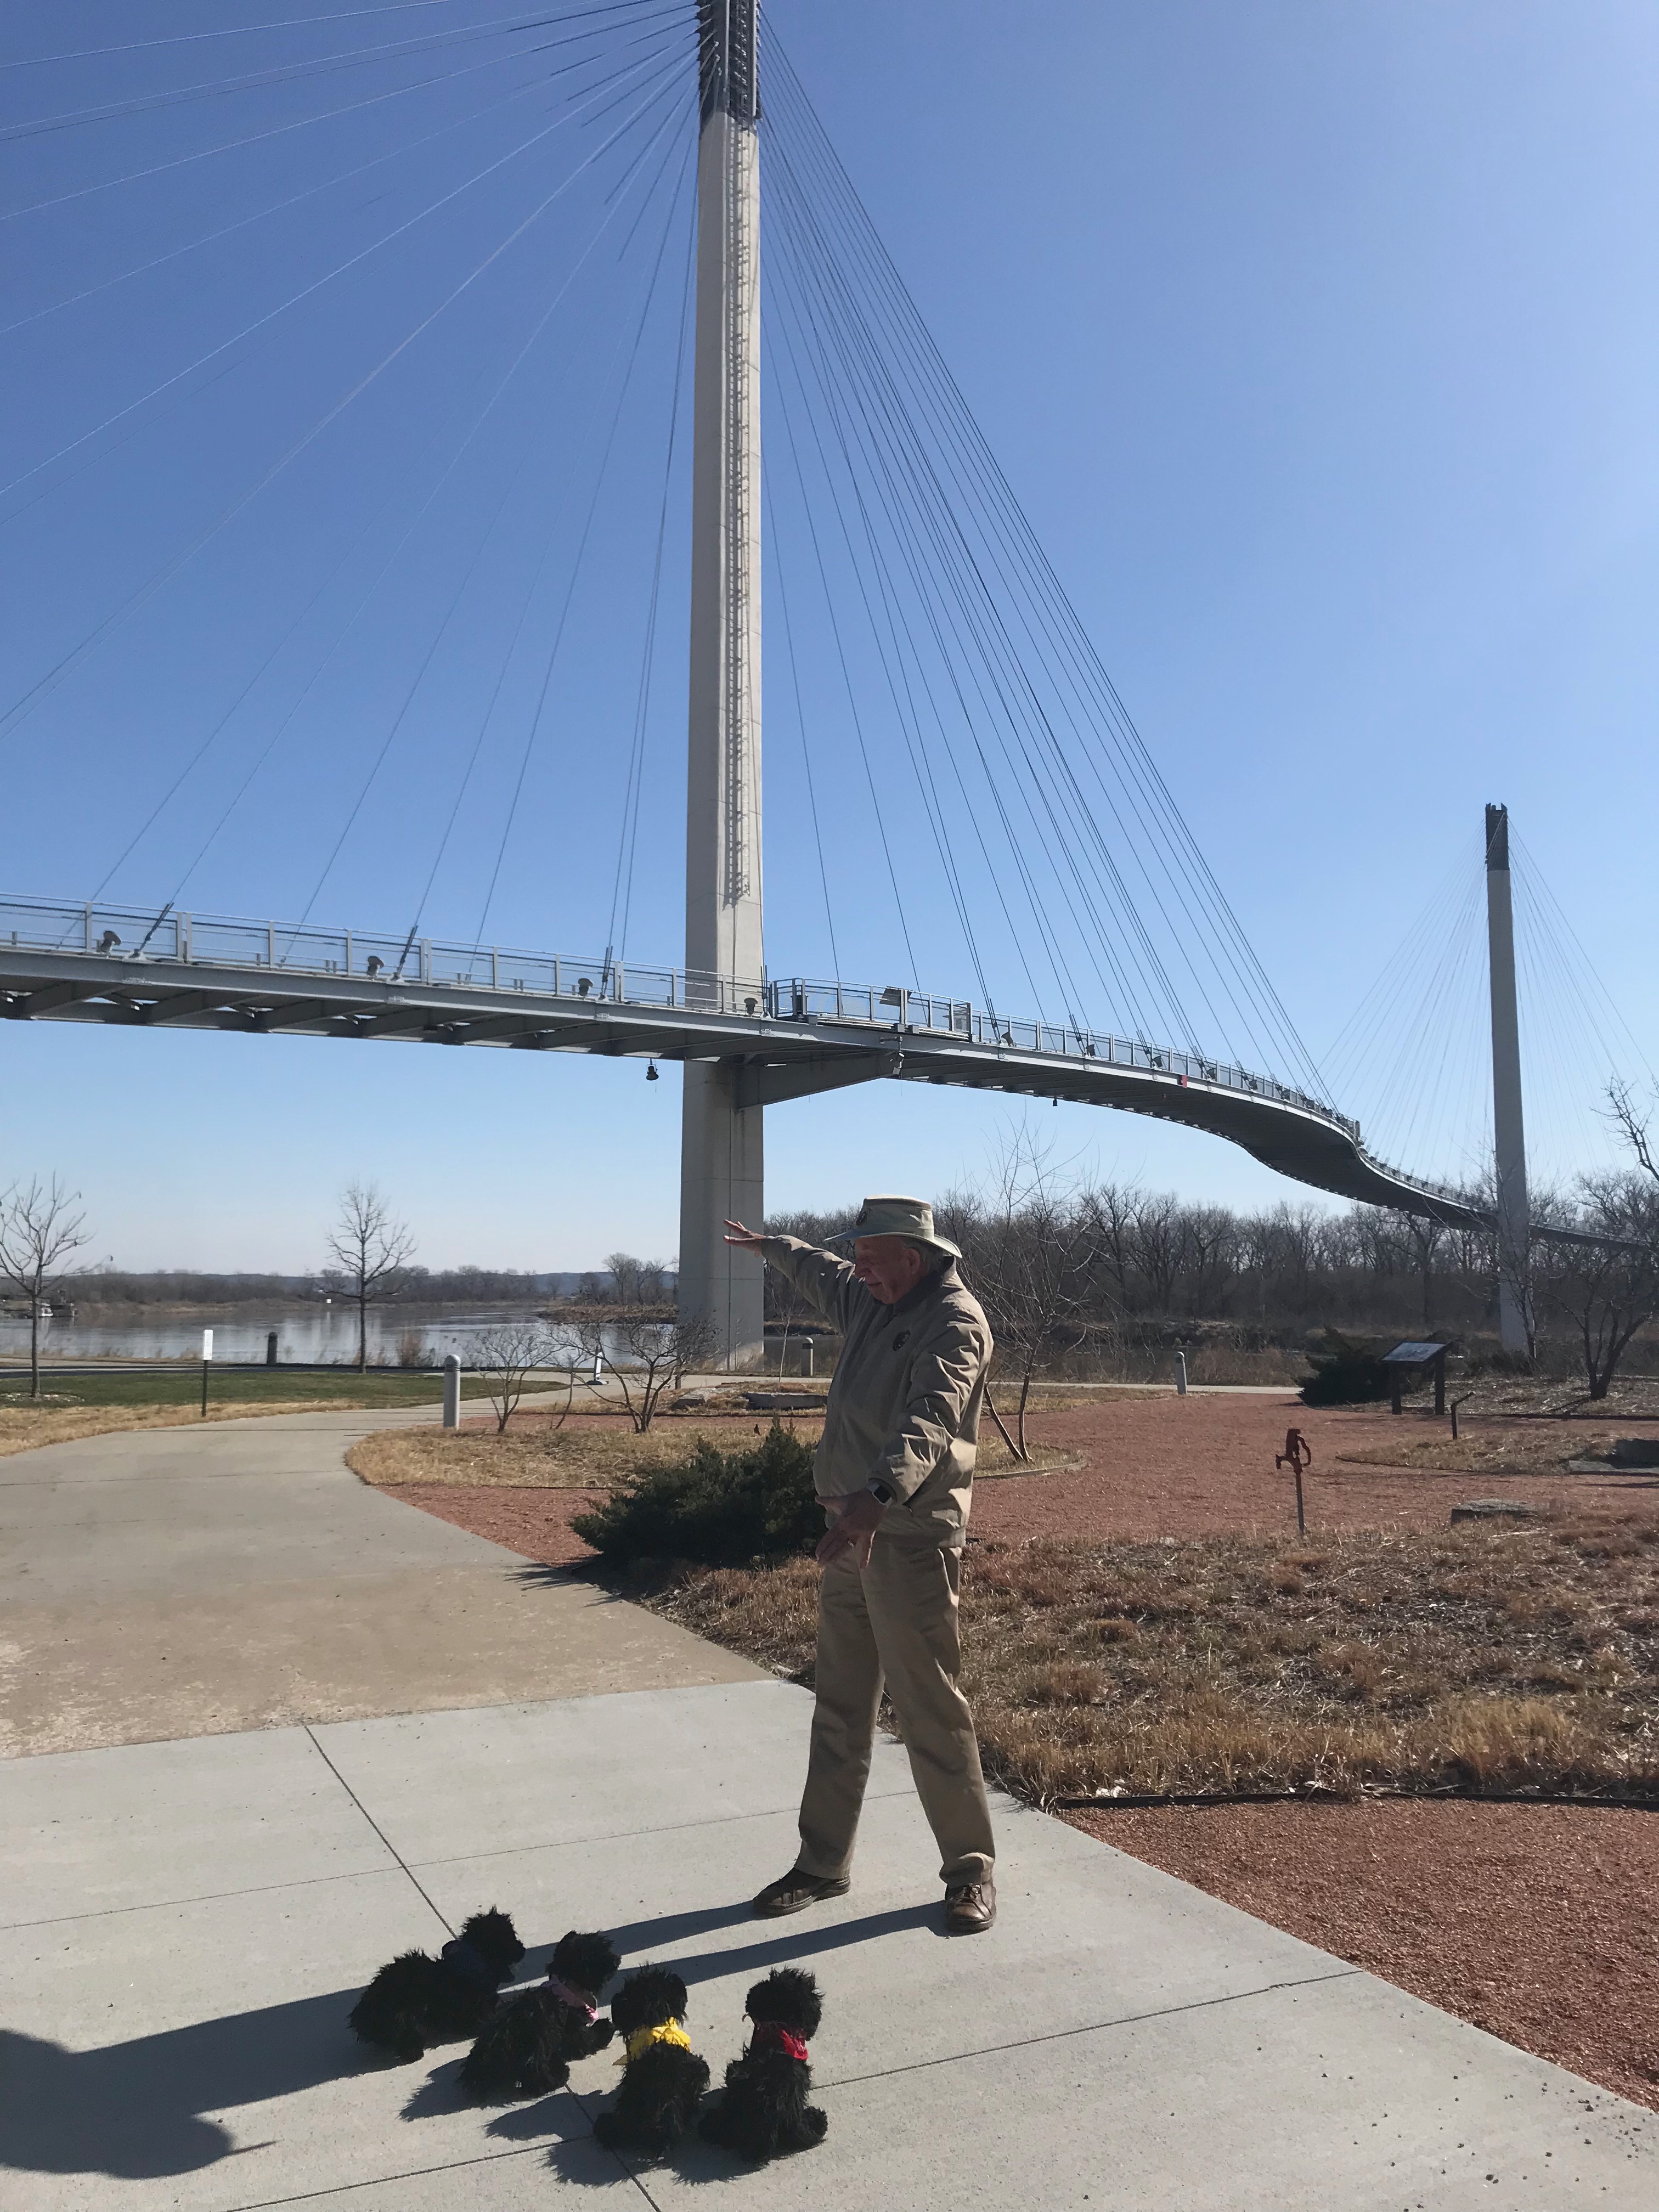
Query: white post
{"x": 451, "y": 1390}
{"x": 722, "y": 1144}
{"x": 1509, "y": 1134}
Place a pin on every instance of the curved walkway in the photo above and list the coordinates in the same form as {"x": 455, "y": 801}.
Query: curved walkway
{"x": 185, "y": 1581}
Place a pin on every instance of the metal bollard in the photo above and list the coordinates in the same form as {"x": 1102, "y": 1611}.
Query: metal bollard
{"x": 1181, "y": 1374}
{"x": 270, "y": 1348}
{"x": 451, "y": 1390}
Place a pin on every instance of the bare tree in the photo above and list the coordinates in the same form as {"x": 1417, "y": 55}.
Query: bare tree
{"x": 37, "y": 1232}
{"x": 1634, "y": 1126}
{"x": 656, "y": 1356}
{"x": 1030, "y": 1258}
{"x": 506, "y": 1356}
{"x": 1607, "y": 1290}
{"x": 371, "y": 1246}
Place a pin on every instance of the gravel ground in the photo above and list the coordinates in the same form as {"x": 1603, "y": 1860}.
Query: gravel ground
{"x": 1534, "y": 1922}
{"x": 536, "y": 1522}
{"x": 1189, "y": 1466}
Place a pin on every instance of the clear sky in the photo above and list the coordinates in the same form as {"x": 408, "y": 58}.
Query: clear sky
{"x": 1320, "y": 345}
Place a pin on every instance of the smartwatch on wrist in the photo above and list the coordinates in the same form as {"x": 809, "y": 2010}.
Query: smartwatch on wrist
{"x": 879, "y": 1491}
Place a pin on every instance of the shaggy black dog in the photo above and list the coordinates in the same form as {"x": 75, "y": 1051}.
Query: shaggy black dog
{"x": 762, "y": 2109}
{"x": 526, "y": 2050}
{"x": 417, "y": 1999}
{"x": 664, "y": 2078}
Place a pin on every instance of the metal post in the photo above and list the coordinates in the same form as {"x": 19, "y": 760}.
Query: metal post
{"x": 451, "y": 1390}
{"x": 1181, "y": 1374}
{"x": 721, "y": 1145}
{"x": 270, "y": 1348}
{"x": 1509, "y": 1133}
{"x": 207, "y": 1361}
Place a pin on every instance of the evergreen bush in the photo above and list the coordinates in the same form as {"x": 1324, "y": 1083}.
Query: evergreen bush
{"x": 1345, "y": 1373}
{"x": 719, "y": 1509}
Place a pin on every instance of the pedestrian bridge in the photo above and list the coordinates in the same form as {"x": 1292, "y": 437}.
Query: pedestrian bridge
{"x": 779, "y": 1037}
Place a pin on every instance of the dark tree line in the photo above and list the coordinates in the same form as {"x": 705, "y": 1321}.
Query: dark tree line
{"x": 1070, "y": 1269}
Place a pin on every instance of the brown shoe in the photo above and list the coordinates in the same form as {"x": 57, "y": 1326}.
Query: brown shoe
{"x": 969, "y": 1907}
{"x": 794, "y": 1891}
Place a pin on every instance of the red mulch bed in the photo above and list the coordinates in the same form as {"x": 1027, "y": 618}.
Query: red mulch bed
{"x": 1534, "y": 1922}
{"x": 1203, "y": 1466}
{"x": 536, "y": 1522}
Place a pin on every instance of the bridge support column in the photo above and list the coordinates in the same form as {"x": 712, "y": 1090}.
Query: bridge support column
{"x": 1509, "y": 1133}
{"x": 722, "y": 1144}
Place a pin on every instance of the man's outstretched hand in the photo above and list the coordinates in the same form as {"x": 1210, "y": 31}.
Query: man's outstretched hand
{"x": 737, "y": 1234}
{"x": 853, "y": 1529}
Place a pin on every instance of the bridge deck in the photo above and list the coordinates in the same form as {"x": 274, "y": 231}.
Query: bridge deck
{"x": 785, "y": 1039}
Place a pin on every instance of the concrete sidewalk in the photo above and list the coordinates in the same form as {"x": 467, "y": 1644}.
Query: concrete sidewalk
{"x": 173, "y": 1582}
{"x": 191, "y": 1921}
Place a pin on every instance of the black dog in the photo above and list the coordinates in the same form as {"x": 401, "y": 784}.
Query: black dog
{"x": 526, "y": 2050}
{"x": 762, "y": 2109}
{"x": 664, "y": 2078}
{"x": 417, "y": 1999}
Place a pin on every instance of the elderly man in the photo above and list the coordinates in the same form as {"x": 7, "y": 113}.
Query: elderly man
{"x": 895, "y": 1474}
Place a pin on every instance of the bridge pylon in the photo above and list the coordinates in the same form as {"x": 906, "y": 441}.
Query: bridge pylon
{"x": 721, "y": 1143}
{"x": 1508, "y": 1127}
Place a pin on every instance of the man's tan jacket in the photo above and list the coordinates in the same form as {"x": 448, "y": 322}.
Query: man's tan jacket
{"x": 905, "y": 1397}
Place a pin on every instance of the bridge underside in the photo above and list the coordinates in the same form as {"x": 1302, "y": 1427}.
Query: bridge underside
{"x": 772, "y": 1058}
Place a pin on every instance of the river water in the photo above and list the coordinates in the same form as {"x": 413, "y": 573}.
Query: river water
{"x": 313, "y": 1336}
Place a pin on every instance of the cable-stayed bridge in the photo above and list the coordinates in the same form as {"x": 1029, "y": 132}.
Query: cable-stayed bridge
{"x": 955, "y": 727}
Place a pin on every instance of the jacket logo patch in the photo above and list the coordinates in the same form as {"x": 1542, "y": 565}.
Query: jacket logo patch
{"x": 900, "y": 1339}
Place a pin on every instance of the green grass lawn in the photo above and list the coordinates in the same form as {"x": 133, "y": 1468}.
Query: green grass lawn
{"x": 254, "y": 1386}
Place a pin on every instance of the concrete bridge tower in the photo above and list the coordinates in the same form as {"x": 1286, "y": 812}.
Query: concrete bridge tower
{"x": 1509, "y": 1132}
{"x": 720, "y": 1142}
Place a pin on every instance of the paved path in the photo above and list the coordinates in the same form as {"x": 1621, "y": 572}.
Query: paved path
{"x": 186, "y": 1922}
{"x": 174, "y": 1582}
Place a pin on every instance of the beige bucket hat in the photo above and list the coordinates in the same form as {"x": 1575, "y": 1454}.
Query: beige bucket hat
{"x": 911, "y": 1218}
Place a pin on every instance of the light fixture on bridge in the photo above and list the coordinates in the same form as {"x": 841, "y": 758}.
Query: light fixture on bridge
{"x": 108, "y": 941}
{"x": 651, "y": 1075}
{"x": 893, "y": 995}
{"x": 375, "y": 963}
{"x": 584, "y": 985}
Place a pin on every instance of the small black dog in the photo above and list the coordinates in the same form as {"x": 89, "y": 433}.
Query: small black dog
{"x": 526, "y": 2050}
{"x": 417, "y": 1999}
{"x": 664, "y": 2078}
{"x": 762, "y": 2109}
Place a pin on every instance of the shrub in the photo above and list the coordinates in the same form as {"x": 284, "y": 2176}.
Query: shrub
{"x": 719, "y": 1509}
{"x": 1345, "y": 1373}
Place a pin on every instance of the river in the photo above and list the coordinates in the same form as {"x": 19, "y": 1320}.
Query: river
{"x": 310, "y": 1336}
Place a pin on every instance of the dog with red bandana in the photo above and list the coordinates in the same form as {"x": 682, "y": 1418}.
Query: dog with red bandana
{"x": 762, "y": 2110}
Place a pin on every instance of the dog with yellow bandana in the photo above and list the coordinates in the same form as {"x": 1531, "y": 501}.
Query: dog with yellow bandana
{"x": 663, "y": 2079}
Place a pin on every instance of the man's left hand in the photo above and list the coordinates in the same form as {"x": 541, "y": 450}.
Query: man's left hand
{"x": 856, "y": 1519}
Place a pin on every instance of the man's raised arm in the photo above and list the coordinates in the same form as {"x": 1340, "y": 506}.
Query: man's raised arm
{"x": 827, "y": 1281}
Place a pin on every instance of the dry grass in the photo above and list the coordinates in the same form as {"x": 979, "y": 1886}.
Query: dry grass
{"x": 589, "y": 1453}
{"x": 23, "y": 1428}
{"x": 1486, "y": 1660}
{"x": 1533, "y": 1447}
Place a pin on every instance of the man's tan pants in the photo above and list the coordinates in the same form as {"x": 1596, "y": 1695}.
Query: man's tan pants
{"x": 896, "y": 1620}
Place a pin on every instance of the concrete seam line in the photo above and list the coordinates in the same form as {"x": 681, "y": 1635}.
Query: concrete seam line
{"x": 1094, "y": 2027}
{"x": 380, "y": 2180}
{"x": 418, "y": 2173}
{"x": 205, "y": 1897}
{"x": 627, "y": 1835}
{"x": 374, "y": 1824}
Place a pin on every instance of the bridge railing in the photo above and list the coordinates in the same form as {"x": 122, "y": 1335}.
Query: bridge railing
{"x": 269, "y": 947}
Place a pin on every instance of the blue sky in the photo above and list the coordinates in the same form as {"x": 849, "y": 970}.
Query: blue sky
{"x": 1318, "y": 345}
